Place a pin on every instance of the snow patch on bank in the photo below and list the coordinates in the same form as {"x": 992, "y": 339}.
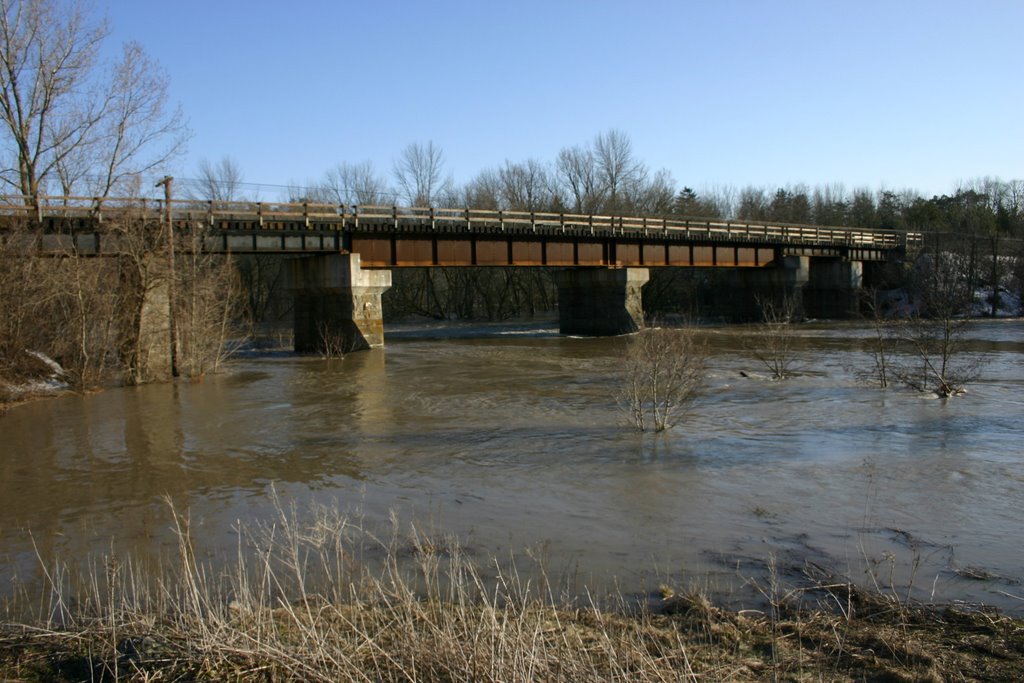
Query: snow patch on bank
{"x": 53, "y": 382}
{"x": 1008, "y": 304}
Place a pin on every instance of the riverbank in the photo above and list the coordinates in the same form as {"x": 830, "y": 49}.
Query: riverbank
{"x": 406, "y": 639}
{"x": 326, "y": 600}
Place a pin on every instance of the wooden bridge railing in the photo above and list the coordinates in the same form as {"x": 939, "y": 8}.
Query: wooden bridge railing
{"x": 270, "y": 215}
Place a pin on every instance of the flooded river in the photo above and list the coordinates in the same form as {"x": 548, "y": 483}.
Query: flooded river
{"x": 511, "y": 439}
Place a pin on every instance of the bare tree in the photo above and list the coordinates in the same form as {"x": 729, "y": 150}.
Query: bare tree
{"x": 654, "y": 196}
{"x": 47, "y": 56}
{"x": 218, "y": 182}
{"x": 830, "y": 204}
{"x": 1016, "y": 272}
{"x": 65, "y": 121}
{"x": 1005, "y": 205}
{"x": 662, "y": 374}
{"x": 621, "y": 175}
{"x": 721, "y": 200}
{"x": 359, "y": 183}
{"x": 251, "y": 282}
{"x": 863, "y": 213}
{"x": 933, "y": 362}
{"x": 484, "y": 191}
{"x": 145, "y": 283}
{"x": 89, "y": 302}
{"x": 525, "y": 186}
{"x": 77, "y": 311}
{"x": 419, "y": 172}
{"x": 28, "y": 293}
{"x": 515, "y": 186}
{"x": 139, "y": 132}
{"x": 577, "y": 174}
{"x": 206, "y": 299}
{"x": 605, "y": 177}
{"x": 921, "y": 342}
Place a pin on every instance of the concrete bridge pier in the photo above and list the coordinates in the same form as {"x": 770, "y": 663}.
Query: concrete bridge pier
{"x": 820, "y": 287}
{"x": 748, "y": 288}
{"x": 337, "y": 303}
{"x": 833, "y": 288}
{"x": 598, "y": 302}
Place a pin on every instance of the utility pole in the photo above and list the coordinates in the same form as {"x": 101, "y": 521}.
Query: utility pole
{"x": 166, "y": 183}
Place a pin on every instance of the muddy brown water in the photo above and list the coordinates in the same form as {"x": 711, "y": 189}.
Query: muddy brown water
{"x": 510, "y": 438}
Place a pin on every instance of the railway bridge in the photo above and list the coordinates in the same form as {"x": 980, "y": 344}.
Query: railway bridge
{"x": 344, "y": 253}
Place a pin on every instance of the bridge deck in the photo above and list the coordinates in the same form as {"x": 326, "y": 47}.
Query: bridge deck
{"x": 390, "y": 236}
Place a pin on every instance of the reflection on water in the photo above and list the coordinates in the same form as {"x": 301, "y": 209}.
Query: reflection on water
{"x": 511, "y": 437}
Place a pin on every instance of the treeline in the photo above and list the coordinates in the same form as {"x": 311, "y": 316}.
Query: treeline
{"x": 604, "y": 176}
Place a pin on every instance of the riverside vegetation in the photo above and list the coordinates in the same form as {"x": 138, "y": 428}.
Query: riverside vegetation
{"x": 328, "y": 599}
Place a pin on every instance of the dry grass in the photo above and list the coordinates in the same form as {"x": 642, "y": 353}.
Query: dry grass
{"x": 329, "y": 601}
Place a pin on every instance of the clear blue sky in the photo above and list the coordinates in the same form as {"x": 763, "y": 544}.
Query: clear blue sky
{"x": 898, "y": 94}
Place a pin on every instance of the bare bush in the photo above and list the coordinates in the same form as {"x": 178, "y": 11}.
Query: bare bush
{"x": 87, "y": 309}
{"x": 932, "y": 340}
{"x": 773, "y": 341}
{"x": 663, "y": 373}
{"x": 923, "y": 346}
{"x": 208, "y": 300}
{"x": 22, "y": 287}
{"x": 924, "y": 354}
{"x": 333, "y": 342}
{"x": 882, "y": 345}
{"x": 66, "y": 307}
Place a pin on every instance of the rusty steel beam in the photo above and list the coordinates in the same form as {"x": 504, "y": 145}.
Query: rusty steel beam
{"x": 380, "y": 250}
